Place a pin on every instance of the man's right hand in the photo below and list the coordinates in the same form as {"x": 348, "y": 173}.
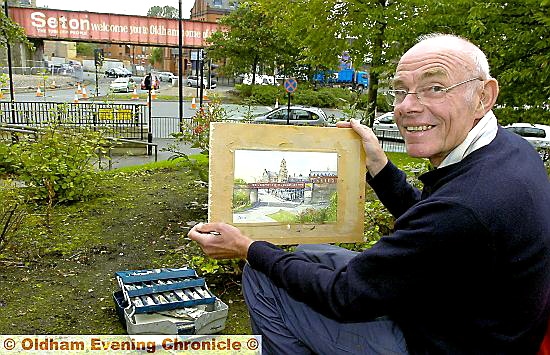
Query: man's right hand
{"x": 376, "y": 159}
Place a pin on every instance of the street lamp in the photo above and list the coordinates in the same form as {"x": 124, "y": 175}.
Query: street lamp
{"x": 180, "y": 64}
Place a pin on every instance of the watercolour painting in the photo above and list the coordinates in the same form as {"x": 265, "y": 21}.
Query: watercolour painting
{"x": 287, "y": 184}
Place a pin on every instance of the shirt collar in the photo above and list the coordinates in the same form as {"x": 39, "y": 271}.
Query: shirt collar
{"x": 479, "y": 136}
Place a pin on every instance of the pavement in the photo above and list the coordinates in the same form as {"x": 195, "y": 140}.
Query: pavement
{"x": 27, "y": 83}
{"x": 119, "y": 161}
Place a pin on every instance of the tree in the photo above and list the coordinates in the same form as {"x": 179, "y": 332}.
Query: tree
{"x": 11, "y": 32}
{"x": 85, "y": 49}
{"x": 156, "y": 56}
{"x": 374, "y": 32}
{"x": 251, "y": 42}
{"x": 516, "y": 38}
{"x": 163, "y": 11}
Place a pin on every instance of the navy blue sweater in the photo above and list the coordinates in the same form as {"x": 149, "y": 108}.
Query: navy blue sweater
{"x": 467, "y": 268}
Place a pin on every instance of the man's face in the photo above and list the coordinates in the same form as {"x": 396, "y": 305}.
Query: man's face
{"x": 432, "y": 130}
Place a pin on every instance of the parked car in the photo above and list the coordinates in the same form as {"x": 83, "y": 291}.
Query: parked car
{"x": 61, "y": 68}
{"x": 299, "y": 115}
{"x": 385, "y": 121}
{"x": 126, "y": 71}
{"x": 536, "y": 134}
{"x": 193, "y": 81}
{"x": 123, "y": 84}
{"x": 117, "y": 73}
{"x": 166, "y": 76}
{"x": 155, "y": 82}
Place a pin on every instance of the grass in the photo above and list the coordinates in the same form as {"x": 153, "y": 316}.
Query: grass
{"x": 283, "y": 216}
{"x": 59, "y": 279}
{"x": 402, "y": 159}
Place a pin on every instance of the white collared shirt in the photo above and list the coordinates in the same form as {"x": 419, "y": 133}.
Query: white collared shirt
{"x": 481, "y": 134}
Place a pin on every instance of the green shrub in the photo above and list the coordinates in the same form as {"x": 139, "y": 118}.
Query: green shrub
{"x": 57, "y": 165}
{"x": 197, "y": 133}
{"x": 305, "y": 95}
{"x": 12, "y": 211}
{"x": 507, "y": 115}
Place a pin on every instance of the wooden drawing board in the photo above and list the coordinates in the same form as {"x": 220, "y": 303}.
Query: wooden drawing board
{"x": 334, "y": 158}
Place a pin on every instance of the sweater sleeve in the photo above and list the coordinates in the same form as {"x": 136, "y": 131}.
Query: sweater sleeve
{"x": 393, "y": 190}
{"x": 412, "y": 264}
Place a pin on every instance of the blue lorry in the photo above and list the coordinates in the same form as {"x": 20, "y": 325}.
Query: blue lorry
{"x": 357, "y": 80}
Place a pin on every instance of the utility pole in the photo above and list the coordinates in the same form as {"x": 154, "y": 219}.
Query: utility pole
{"x": 8, "y": 47}
{"x": 201, "y": 80}
{"x": 180, "y": 66}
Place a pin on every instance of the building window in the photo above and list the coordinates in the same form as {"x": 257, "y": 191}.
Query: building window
{"x": 217, "y": 3}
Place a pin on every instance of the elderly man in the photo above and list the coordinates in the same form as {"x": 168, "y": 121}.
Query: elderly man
{"x": 467, "y": 268}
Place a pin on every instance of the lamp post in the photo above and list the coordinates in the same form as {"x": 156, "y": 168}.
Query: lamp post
{"x": 180, "y": 65}
{"x": 8, "y": 48}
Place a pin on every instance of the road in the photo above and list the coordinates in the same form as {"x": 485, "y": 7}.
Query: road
{"x": 268, "y": 204}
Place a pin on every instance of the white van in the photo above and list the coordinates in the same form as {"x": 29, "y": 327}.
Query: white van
{"x": 260, "y": 79}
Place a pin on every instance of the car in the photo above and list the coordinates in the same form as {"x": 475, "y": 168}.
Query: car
{"x": 299, "y": 115}
{"x": 117, "y": 73}
{"x": 385, "y": 121}
{"x": 536, "y": 134}
{"x": 192, "y": 81}
{"x": 61, "y": 68}
{"x": 155, "y": 82}
{"x": 123, "y": 84}
{"x": 126, "y": 71}
{"x": 166, "y": 76}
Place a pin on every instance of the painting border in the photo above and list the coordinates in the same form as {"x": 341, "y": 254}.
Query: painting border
{"x": 226, "y": 138}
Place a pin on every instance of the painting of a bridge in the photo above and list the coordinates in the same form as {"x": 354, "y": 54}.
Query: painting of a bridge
{"x": 285, "y": 187}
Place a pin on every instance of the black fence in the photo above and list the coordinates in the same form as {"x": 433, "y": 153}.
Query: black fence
{"x": 119, "y": 120}
{"x": 390, "y": 139}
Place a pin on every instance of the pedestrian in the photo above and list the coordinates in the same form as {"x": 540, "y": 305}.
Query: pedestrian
{"x": 466, "y": 269}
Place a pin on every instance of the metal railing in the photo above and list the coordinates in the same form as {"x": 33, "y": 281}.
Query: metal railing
{"x": 119, "y": 120}
{"x": 391, "y": 140}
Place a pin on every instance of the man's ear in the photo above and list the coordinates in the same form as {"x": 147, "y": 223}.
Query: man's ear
{"x": 488, "y": 96}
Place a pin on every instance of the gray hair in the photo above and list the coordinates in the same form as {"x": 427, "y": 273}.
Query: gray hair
{"x": 474, "y": 52}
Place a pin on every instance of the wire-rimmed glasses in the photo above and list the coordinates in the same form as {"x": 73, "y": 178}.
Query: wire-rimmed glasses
{"x": 433, "y": 94}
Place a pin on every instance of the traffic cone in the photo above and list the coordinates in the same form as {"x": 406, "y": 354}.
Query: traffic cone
{"x": 84, "y": 93}
{"x": 38, "y": 92}
{"x": 193, "y": 103}
{"x": 276, "y": 103}
{"x": 135, "y": 95}
{"x": 1, "y": 94}
{"x": 79, "y": 89}
{"x": 153, "y": 94}
{"x": 205, "y": 97}
{"x": 75, "y": 98}
{"x": 52, "y": 85}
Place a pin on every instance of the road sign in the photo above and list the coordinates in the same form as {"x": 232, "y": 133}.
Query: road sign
{"x": 290, "y": 85}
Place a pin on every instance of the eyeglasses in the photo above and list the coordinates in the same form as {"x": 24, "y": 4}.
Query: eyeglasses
{"x": 433, "y": 94}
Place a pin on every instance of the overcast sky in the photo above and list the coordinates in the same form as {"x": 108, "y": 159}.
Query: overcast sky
{"x": 124, "y": 7}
